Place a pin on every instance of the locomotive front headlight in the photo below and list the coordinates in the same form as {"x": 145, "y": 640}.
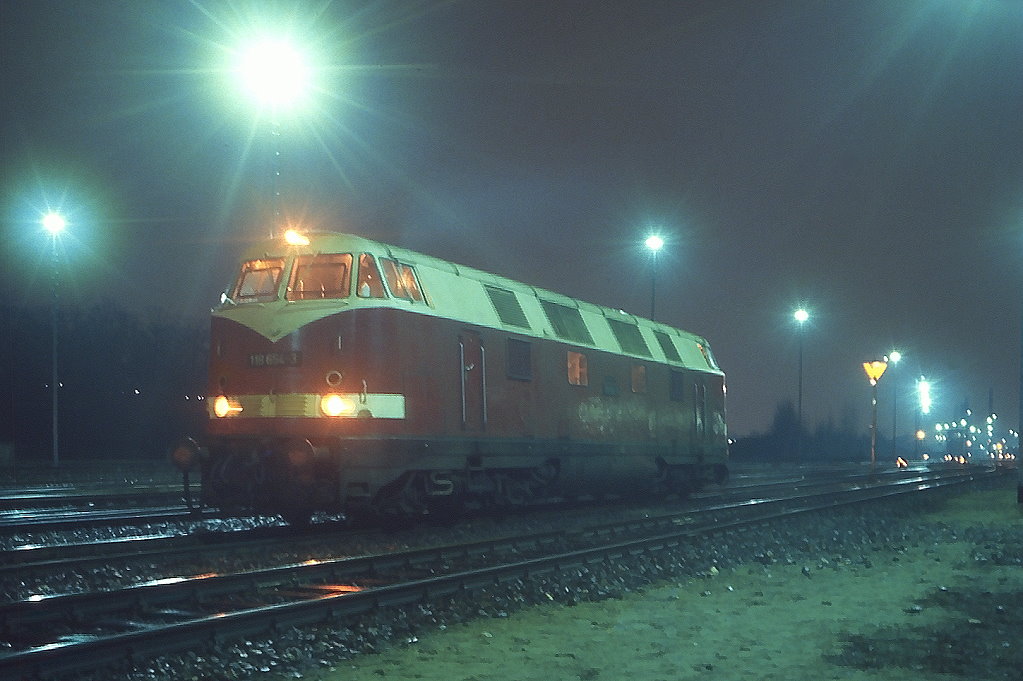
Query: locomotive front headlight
{"x": 336, "y": 405}
{"x": 224, "y": 407}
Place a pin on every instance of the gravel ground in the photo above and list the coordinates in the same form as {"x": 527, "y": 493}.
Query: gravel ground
{"x": 923, "y": 589}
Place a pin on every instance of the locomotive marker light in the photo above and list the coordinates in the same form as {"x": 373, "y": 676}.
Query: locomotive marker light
{"x": 54, "y": 223}
{"x": 874, "y": 371}
{"x": 654, "y": 243}
{"x": 293, "y": 238}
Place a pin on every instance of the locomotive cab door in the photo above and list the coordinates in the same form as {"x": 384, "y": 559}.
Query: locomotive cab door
{"x": 473, "y": 380}
{"x": 700, "y": 429}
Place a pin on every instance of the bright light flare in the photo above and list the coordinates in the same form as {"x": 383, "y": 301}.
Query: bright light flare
{"x": 336, "y": 405}
{"x": 923, "y": 389}
{"x": 654, "y": 243}
{"x": 54, "y": 223}
{"x": 801, "y": 315}
{"x": 274, "y": 74}
{"x": 294, "y": 238}
{"x": 224, "y": 407}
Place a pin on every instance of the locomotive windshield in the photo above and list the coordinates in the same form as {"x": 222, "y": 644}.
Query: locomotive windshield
{"x": 316, "y": 277}
{"x": 258, "y": 280}
{"x": 401, "y": 279}
{"x": 370, "y": 285}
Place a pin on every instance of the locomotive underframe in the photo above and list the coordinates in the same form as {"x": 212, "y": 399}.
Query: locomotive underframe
{"x": 299, "y": 477}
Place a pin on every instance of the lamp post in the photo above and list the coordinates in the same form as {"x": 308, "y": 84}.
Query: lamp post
{"x": 654, "y": 243}
{"x": 801, "y": 316}
{"x": 874, "y": 371}
{"x": 55, "y": 224}
{"x": 893, "y": 358}
{"x": 923, "y": 392}
{"x": 277, "y": 78}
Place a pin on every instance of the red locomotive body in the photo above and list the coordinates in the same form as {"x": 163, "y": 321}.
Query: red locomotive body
{"x": 349, "y": 375}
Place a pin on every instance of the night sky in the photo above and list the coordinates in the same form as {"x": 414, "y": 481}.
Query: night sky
{"x": 861, "y": 158}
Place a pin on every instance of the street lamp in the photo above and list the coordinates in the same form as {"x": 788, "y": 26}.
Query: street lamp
{"x": 801, "y": 316}
{"x": 923, "y": 392}
{"x": 874, "y": 371}
{"x": 275, "y": 75}
{"x": 893, "y": 359}
{"x": 654, "y": 243}
{"x": 55, "y": 224}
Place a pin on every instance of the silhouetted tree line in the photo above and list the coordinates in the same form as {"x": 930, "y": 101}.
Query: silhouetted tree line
{"x": 785, "y": 441}
{"x": 124, "y": 382}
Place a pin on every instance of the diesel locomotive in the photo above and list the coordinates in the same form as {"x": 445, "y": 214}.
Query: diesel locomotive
{"x": 351, "y": 376}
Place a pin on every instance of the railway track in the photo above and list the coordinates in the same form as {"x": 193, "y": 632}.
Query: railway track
{"x": 43, "y": 509}
{"x": 71, "y": 633}
{"x": 56, "y": 509}
{"x": 28, "y": 557}
{"x": 25, "y": 497}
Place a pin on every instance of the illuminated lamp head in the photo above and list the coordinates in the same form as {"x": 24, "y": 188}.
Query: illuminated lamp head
{"x": 54, "y": 223}
{"x": 335, "y": 405}
{"x": 293, "y": 238}
{"x": 223, "y": 407}
{"x": 275, "y": 74}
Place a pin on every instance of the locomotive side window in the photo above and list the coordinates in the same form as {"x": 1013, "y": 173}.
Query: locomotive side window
{"x": 401, "y": 280}
{"x": 320, "y": 276}
{"x": 677, "y": 387}
{"x": 707, "y": 355}
{"x": 258, "y": 280}
{"x": 520, "y": 365}
{"x": 370, "y": 284}
{"x": 577, "y": 372}
{"x": 638, "y": 378}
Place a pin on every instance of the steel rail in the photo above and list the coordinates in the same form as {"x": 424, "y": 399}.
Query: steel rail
{"x": 12, "y": 499}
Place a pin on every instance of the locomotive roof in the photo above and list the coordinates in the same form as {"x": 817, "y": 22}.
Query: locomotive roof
{"x": 478, "y": 297}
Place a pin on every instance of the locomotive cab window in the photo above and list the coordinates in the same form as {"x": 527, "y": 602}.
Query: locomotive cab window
{"x": 370, "y": 284}
{"x": 258, "y": 281}
{"x": 316, "y": 277}
{"x": 401, "y": 280}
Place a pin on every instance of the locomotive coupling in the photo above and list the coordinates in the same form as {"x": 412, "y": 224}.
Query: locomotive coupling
{"x": 188, "y": 455}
